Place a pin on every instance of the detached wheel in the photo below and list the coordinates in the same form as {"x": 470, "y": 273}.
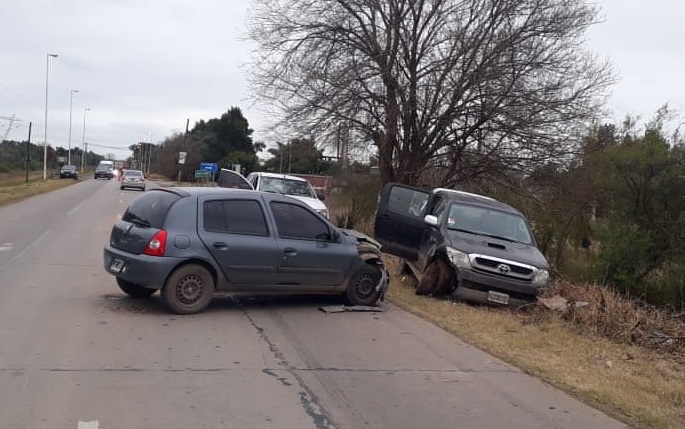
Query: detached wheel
{"x": 362, "y": 287}
{"x": 189, "y": 289}
{"x": 133, "y": 290}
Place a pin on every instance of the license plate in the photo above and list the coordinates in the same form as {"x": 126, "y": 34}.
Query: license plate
{"x": 116, "y": 265}
{"x": 498, "y": 297}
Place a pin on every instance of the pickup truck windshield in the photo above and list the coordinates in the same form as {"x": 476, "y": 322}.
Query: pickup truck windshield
{"x": 285, "y": 186}
{"x": 489, "y": 222}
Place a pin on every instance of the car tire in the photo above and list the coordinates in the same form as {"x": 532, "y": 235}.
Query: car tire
{"x": 134, "y": 290}
{"x": 361, "y": 289}
{"x": 189, "y": 289}
{"x": 121, "y": 187}
{"x": 435, "y": 279}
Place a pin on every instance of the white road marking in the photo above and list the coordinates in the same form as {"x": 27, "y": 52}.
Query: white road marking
{"x": 88, "y": 425}
{"x": 5, "y": 247}
{"x": 119, "y": 216}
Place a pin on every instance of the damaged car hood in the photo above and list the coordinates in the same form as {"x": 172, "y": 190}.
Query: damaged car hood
{"x": 360, "y": 237}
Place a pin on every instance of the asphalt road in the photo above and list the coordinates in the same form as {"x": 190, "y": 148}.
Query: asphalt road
{"x": 76, "y": 353}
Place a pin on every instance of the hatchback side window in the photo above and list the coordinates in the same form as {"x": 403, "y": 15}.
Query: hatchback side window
{"x": 235, "y": 217}
{"x": 245, "y": 217}
{"x": 213, "y": 216}
{"x": 297, "y": 222}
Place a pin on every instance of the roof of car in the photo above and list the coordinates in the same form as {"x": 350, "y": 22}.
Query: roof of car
{"x": 281, "y": 176}
{"x": 200, "y": 191}
{"x": 476, "y": 199}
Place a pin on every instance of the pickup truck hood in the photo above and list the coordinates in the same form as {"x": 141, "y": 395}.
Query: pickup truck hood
{"x": 314, "y": 203}
{"x": 517, "y": 252}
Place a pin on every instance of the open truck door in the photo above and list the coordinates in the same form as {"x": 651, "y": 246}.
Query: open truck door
{"x": 399, "y": 220}
{"x": 231, "y": 179}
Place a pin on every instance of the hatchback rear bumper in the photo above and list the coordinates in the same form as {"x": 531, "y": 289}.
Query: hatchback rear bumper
{"x": 148, "y": 271}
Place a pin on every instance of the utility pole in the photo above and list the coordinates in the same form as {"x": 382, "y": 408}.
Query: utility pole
{"x": 71, "y": 114}
{"x": 183, "y": 146}
{"x": 84, "y": 160}
{"x": 290, "y": 156}
{"x": 28, "y": 153}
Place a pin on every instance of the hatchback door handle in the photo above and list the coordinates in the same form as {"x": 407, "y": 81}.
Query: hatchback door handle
{"x": 289, "y": 251}
{"x": 220, "y": 245}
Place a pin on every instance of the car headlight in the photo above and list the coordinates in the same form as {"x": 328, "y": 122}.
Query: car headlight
{"x": 323, "y": 213}
{"x": 459, "y": 259}
{"x": 541, "y": 277}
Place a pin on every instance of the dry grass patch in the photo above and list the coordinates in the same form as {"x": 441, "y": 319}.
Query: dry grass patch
{"x": 640, "y": 386}
{"x": 13, "y": 188}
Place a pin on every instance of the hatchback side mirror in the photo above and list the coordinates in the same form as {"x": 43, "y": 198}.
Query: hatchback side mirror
{"x": 321, "y": 196}
{"x": 430, "y": 220}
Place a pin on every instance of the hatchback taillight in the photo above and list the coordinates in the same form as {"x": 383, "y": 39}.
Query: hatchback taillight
{"x": 157, "y": 244}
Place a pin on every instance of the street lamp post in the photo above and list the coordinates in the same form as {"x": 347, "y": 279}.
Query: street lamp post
{"x": 45, "y": 130}
{"x": 83, "y": 136}
{"x": 71, "y": 109}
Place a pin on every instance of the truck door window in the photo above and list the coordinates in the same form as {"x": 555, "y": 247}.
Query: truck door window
{"x": 407, "y": 201}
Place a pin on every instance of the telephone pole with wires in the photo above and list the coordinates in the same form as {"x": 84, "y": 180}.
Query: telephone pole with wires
{"x": 11, "y": 120}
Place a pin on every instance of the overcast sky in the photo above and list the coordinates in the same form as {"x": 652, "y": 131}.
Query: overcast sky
{"x": 145, "y": 66}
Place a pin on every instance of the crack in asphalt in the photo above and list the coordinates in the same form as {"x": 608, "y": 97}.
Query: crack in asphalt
{"x": 309, "y": 400}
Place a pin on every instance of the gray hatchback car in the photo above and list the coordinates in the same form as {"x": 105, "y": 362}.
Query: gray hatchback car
{"x": 191, "y": 242}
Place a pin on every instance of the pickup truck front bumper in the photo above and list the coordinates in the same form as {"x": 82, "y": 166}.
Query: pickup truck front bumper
{"x": 483, "y": 288}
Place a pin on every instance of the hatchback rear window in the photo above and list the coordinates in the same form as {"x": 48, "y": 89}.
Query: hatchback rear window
{"x": 150, "y": 209}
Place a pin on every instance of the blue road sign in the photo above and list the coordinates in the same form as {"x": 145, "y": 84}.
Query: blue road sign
{"x": 209, "y": 166}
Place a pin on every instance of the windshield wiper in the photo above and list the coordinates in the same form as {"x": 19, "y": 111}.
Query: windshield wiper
{"x": 464, "y": 230}
{"x": 135, "y": 219}
{"x": 483, "y": 234}
{"x": 499, "y": 237}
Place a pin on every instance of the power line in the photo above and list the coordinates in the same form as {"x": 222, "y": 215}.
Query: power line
{"x": 20, "y": 95}
{"x": 104, "y": 146}
{"x": 11, "y": 121}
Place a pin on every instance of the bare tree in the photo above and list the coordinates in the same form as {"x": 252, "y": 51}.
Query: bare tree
{"x": 465, "y": 86}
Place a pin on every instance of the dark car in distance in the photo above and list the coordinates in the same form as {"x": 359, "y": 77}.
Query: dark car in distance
{"x": 68, "y": 172}
{"x": 103, "y": 172}
{"x": 189, "y": 242}
{"x": 466, "y": 245}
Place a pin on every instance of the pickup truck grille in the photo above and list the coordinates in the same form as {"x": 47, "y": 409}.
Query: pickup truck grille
{"x": 502, "y": 267}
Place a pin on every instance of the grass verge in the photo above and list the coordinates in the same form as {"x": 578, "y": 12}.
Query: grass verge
{"x": 642, "y": 387}
{"x": 13, "y": 187}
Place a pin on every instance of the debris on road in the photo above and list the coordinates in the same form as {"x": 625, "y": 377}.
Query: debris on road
{"x": 555, "y": 303}
{"x": 345, "y": 308}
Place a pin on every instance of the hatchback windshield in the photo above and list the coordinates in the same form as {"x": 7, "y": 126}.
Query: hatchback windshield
{"x": 490, "y": 222}
{"x": 69, "y": 168}
{"x": 281, "y": 185}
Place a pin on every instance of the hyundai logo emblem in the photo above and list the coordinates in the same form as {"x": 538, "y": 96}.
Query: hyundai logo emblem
{"x": 503, "y": 268}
